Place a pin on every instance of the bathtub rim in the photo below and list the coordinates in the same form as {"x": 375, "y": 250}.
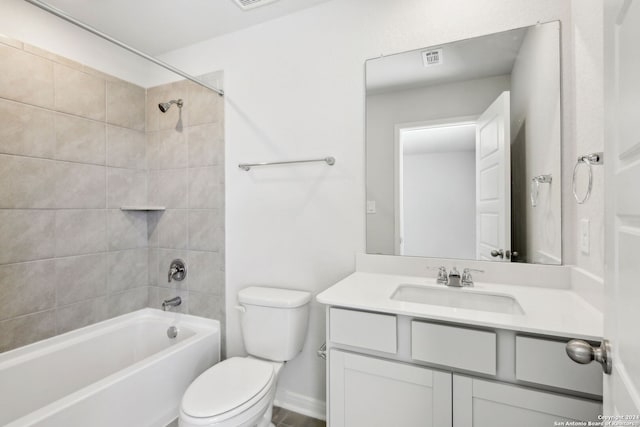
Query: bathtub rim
{"x": 204, "y": 329}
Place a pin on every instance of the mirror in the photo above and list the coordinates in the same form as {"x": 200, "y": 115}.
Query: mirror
{"x": 463, "y": 144}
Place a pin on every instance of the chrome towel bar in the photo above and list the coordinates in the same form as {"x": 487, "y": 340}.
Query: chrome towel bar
{"x": 247, "y": 166}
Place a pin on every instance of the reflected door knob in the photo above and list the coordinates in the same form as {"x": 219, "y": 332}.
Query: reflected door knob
{"x": 582, "y": 352}
{"x": 498, "y": 254}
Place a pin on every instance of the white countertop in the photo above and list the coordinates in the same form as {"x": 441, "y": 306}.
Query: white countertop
{"x": 553, "y": 312}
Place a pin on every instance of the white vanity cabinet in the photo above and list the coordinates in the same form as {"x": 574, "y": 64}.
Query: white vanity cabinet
{"x": 368, "y": 391}
{"x": 394, "y": 370}
{"x": 481, "y": 403}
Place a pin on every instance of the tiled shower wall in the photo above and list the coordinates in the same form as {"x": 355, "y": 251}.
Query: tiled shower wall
{"x": 73, "y": 150}
{"x": 185, "y": 149}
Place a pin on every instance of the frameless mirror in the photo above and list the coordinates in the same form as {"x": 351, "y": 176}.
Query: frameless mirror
{"x": 463, "y": 145}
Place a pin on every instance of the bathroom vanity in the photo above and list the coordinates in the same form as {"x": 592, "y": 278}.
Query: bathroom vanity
{"x": 406, "y": 351}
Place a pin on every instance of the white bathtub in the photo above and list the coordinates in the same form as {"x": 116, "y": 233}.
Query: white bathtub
{"x": 122, "y": 372}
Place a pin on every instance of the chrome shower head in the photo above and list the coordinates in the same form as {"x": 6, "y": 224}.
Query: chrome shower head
{"x": 164, "y": 106}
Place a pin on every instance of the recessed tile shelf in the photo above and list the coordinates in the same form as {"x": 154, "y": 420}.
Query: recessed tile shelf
{"x": 142, "y": 208}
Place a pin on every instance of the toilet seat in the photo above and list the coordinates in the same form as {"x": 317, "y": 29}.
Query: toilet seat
{"x": 227, "y": 389}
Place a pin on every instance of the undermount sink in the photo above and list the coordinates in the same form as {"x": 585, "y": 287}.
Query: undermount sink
{"x": 457, "y": 298}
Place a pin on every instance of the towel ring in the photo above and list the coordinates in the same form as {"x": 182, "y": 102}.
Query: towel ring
{"x": 535, "y": 187}
{"x": 588, "y": 160}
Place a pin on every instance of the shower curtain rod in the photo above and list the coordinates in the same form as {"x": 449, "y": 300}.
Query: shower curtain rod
{"x": 63, "y": 15}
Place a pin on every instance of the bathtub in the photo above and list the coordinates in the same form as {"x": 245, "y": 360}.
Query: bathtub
{"x": 122, "y": 372}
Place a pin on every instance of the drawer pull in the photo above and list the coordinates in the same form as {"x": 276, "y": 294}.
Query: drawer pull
{"x": 582, "y": 352}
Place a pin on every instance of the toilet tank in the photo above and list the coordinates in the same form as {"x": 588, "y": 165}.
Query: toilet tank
{"x": 274, "y": 321}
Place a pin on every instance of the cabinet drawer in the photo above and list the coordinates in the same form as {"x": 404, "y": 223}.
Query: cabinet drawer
{"x": 546, "y": 362}
{"x": 366, "y": 330}
{"x": 462, "y": 348}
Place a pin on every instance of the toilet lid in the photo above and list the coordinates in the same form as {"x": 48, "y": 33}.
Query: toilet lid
{"x": 225, "y": 386}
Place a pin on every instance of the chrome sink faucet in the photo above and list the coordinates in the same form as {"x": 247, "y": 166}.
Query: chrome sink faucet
{"x": 454, "y": 278}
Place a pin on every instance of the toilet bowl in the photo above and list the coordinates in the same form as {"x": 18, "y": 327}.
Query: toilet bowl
{"x": 239, "y": 391}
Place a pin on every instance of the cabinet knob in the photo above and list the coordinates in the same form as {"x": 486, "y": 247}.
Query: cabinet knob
{"x": 582, "y": 352}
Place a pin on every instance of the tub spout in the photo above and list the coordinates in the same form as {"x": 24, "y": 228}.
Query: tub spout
{"x": 173, "y": 302}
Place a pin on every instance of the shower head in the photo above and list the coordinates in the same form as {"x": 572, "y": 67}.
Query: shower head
{"x": 164, "y": 106}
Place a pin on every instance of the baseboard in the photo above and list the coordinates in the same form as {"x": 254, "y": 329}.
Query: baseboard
{"x": 301, "y": 404}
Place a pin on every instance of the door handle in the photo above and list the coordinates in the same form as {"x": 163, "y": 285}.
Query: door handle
{"x": 498, "y": 254}
{"x": 582, "y": 352}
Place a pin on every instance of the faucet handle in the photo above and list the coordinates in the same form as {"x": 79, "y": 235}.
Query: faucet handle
{"x": 467, "y": 279}
{"x": 442, "y": 277}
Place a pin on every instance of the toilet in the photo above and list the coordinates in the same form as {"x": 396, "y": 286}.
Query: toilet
{"x": 239, "y": 391}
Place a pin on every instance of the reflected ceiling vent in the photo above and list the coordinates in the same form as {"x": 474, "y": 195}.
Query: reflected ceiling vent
{"x": 252, "y": 4}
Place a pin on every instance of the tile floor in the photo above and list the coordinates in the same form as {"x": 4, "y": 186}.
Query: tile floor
{"x": 284, "y": 418}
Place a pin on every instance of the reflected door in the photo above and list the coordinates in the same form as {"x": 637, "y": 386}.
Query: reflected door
{"x": 493, "y": 182}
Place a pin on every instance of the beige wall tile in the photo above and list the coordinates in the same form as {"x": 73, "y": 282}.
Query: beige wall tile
{"x": 205, "y": 272}
{"x": 26, "y": 288}
{"x": 126, "y": 148}
{"x": 206, "y": 305}
{"x": 206, "y": 145}
{"x": 26, "y": 130}
{"x": 128, "y": 301}
{"x": 205, "y": 188}
{"x": 127, "y": 229}
{"x": 80, "y": 186}
{"x": 168, "y": 148}
{"x": 127, "y": 269}
{"x": 10, "y": 42}
{"x": 79, "y": 93}
{"x": 27, "y": 235}
{"x": 80, "y": 232}
{"x": 153, "y": 266}
{"x": 25, "y": 330}
{"x": 80, "y": 278}
{"x": 51, "y": 56}
{"x": 204, "y": 232}
{"x": 205, "y": 105}
{"x": 154, "y": 96}
{"x": 81, "y": 314}
{"x": 168, "y": 188}
{"x": 172, "y": 229}
{"x": 126, "y": 105}
{"x": 80, "y": 140}
{"x": 26, "y": 182}
{"x": 26, "y": 77}
{"x": 126, "y": 187}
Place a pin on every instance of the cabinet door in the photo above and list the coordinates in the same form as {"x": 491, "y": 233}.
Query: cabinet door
{"x": 481, "y": 403}
{"x": 366, "y": 391}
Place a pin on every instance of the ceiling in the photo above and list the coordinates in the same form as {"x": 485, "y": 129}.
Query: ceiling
{"x": 480, "y": 57}
{"x": 158, "y": 26}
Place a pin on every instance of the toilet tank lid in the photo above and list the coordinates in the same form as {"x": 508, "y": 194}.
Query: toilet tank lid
{"x": 273, "y": 297}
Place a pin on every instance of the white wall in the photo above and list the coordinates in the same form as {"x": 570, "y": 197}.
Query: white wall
{"x": 588, "y": 88}
{"x": 384, "y": 112}
{"x": 22, "y": 21}
{"x": 430, "y": 230}
{"x": 295, "y": 89}
{"x": 536, "y": 134}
